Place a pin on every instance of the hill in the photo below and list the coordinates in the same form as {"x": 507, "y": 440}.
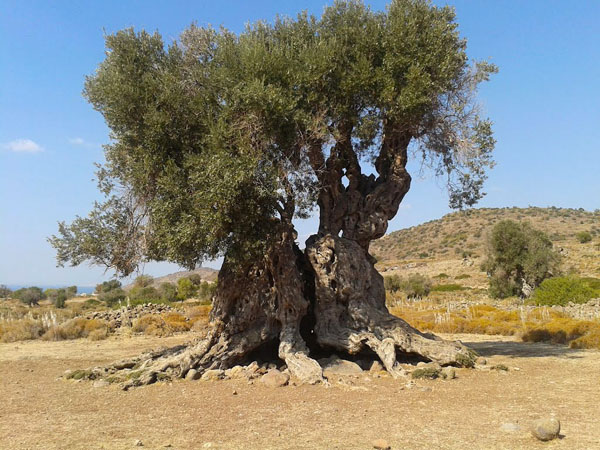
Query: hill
{"x": 206, "y": 273}
{"x": 455, "y": 244}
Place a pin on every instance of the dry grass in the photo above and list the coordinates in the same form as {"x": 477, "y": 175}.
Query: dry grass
{"x": 168, "y": 323}
{"x": 538, "y": 325}
{"x": 76, "y": 329}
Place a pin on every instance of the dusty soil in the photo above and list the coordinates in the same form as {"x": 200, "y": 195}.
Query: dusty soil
{"x": 39, "y": 411}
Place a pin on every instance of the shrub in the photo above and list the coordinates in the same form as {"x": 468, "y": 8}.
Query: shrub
{"x": 185, "y": 289}
{"x": 143, "y": 281}
{"x": 5, "y": 292}
{"x": 140, "y": 294}
{"x": 451, "y": 287}
{"x": 417, "y": 286}
{"x": 441, "y": 276}
{"x": 75, "y": 329}
{"x": 562, "y": 290}
{"x": 167, "y": 292}
{"x": 30, "y": 296}
{"x": 20, "y": 330}
{"x": 517, "y": 254}
{"x": 462, "y": 276}
{"x": 583, "y": 237}
{"x": 108, "y": 286}
{"x": 112, "y": 297}
{"x": 392, "y": 283}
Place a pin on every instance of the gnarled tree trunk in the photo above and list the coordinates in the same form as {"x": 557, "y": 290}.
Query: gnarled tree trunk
{"x": 328, "y": 297}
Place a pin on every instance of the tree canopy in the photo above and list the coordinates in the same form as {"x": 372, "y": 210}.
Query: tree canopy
{"x": 217, "y": 139}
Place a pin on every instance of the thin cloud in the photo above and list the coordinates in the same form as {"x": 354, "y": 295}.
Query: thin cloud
{"x": 23, "y": 146}
{"x": 76, "y": 141}
{"x": 80, "y": 142}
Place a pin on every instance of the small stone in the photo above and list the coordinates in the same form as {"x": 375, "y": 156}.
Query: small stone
{"x": 381, "y": 444}
{"x": 138, "y": 443}
{"x": 546, "y": 429}
{"x": 376, "y": 367}
{"x": 449, "y": 373}
{"x": 192, "y": 375}
{"x": 274, "y": 378}
{"x": 207, "y": 445}
{"x": 234, "y": 392}
{"x": 481, "y": 361}
{"x": 212, "y": 375}
{"x": 510, "y": 427}
{"x": 100, "y": 383}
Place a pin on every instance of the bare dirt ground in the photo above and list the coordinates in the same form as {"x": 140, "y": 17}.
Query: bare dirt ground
{"x": 39, "y": 411}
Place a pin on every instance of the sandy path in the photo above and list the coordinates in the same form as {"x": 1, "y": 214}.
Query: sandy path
{"x": 40, "y": 412}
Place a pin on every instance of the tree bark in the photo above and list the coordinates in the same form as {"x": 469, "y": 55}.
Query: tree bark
{"x": 330, "y": 296}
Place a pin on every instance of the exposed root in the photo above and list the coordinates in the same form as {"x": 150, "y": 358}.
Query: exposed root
{"x": 351, "y": 314}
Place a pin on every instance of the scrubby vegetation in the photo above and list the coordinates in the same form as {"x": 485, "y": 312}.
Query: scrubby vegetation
{"x": 584, "y": 237}
{"x": 414, "y": 286}
{"x": 562, "y": 290}
{"x": 537, "y": 325}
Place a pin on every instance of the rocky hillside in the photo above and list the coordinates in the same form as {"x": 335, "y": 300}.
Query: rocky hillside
{"x": 206, "y": 273}
{"x": 455, "y": 244}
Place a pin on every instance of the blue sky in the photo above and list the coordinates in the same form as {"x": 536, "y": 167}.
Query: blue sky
{"x": 545, "y": 104}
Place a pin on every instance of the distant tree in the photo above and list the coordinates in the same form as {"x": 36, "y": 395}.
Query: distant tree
{"x": 107, "y": 286}
{"x": 185, "y": 288}
{"x": 112, "y": 296}
{"x": 30, "y": 296}
{"x": 168, "y": 292}
{"x": 518, "y": 258}
{"x": 584, "y": 237}
{"x": 195, "y": 279}
{"x": 5, "y": 292}
{"x": 219, "y": 140}
{"x": 60, "y": 299}
{"x": 144, "y": 294}
{"x": 143, "y": 281}
{"x": 206, "y": 290}
{"x": 71, "y": 291}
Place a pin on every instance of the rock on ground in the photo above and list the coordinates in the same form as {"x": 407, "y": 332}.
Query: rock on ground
{"x": 274, "y": 378}
{"x": 381, "y": 444}
{"x": 336, "y": 366}
{"x": 212, "y": 375}
{"x": 546, "y": 429}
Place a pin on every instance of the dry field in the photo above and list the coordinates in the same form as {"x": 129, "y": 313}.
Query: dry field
{"x": 40, "y": 411}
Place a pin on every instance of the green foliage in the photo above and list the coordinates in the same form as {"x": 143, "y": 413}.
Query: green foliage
{"x": 168, "y": 292}
{"x": 30, "y": 296}
{"x": 214, "y": 137}
{"x": 584, "y": 237}
{"x": 185, "y": 289}
{"x": 112, "y": 296}
{"x": 107, "y": 286}
{"x": 462, "y": 276}
{"x": 143, "y": 281}
{"x": 451, "y": 287}
{"x": 518, "y": 253}
{"x": 562, "y": 290}
{"x": 429, "y": 373}
{"x": 414, "y": 286}
{"x": 139, "y": 294}
{"x": 58, "y": 297}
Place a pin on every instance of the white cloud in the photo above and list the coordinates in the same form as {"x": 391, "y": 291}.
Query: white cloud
{"x": 77, "y": 141}
{"x": 23, "y": 146}
{"x": 81, "y": 142}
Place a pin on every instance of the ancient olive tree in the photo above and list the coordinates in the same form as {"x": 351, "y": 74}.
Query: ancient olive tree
{"x": 219, "y": 141}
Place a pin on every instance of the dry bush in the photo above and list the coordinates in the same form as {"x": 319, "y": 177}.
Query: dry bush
{"x": 150, "y": 324}
{"x": 176, "y": 322}
{"x": 75, "y": 329}
{"x": 20, "y": 330}
{"x": 538, "y": 325}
